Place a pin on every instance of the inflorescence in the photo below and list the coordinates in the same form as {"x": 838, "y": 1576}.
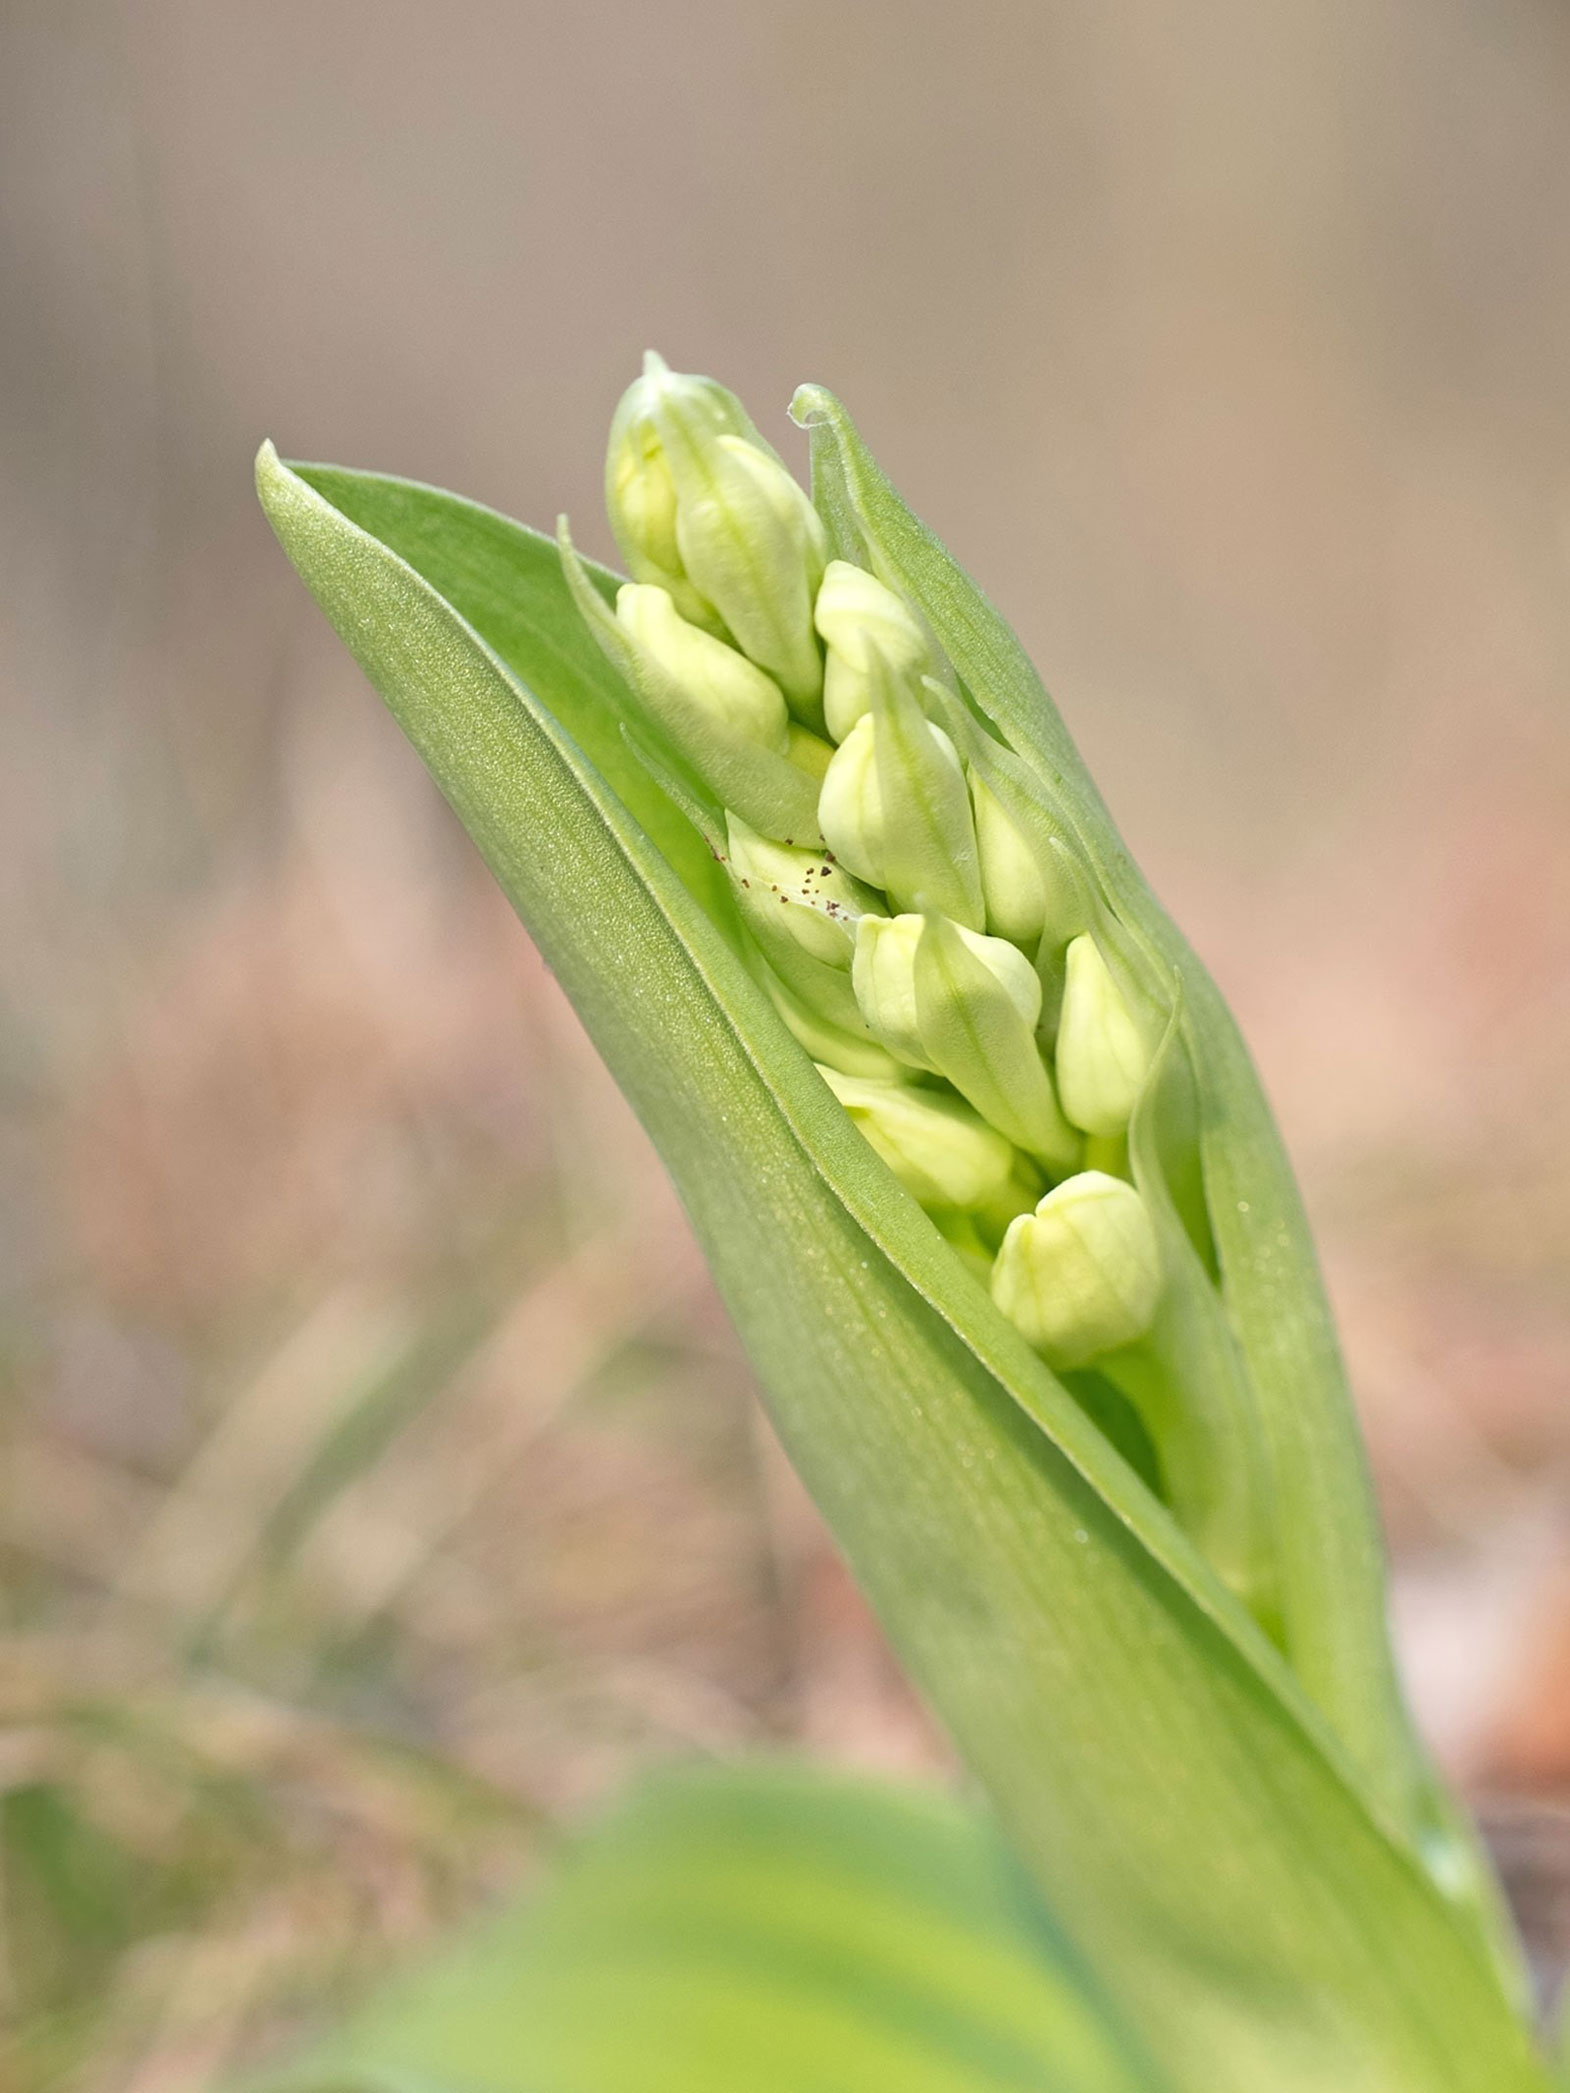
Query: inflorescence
{"x": 937, "y": 958}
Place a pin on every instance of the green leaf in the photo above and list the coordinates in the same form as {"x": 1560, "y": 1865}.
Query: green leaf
{"x": 1205, "y": 1844}
{"x": 769, "y": 1930}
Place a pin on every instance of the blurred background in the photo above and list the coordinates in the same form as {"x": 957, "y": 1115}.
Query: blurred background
{"x": 381, "y": 1482}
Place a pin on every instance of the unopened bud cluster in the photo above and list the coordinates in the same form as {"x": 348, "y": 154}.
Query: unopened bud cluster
{"x": 929, "y": 942}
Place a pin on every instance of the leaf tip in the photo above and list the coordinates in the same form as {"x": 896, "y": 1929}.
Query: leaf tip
{"x": 268, "y": 466}
{"x": 811, "y": 406}
{"x": 275, "y": 483}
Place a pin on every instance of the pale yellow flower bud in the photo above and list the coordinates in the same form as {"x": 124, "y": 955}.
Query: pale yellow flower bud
{"x": 760, "y": 782}
{"x": 640, "y": 488}
{"x": 1081, "y": 1275}
{"x": 884, "y": 977}
{"x": 855, "y": 613}
{"x": 941, "y": 1152}
{"x": 1011, "y": 882}
{"x": 753, "y": 544}
{"x": 727, "y": 686}
{"x": 800, "y": 892}
{"x": 1102, "y": 1055}
{"x": 703, "y": 508}
{"x": 894, "y": 808}
{"x": 850, "y": 806}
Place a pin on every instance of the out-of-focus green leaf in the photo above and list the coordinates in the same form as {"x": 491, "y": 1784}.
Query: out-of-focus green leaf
{"x": 73, "y": 1894}
{"x": 1209, "y": 1850}
{"x": 769, "y": 1930}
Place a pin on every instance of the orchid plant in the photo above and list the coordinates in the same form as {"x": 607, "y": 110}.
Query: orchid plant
{"x": 989, "y": 1186}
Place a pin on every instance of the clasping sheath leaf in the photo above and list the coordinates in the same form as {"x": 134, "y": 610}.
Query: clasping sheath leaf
{"x": 1231, "y": 1857}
